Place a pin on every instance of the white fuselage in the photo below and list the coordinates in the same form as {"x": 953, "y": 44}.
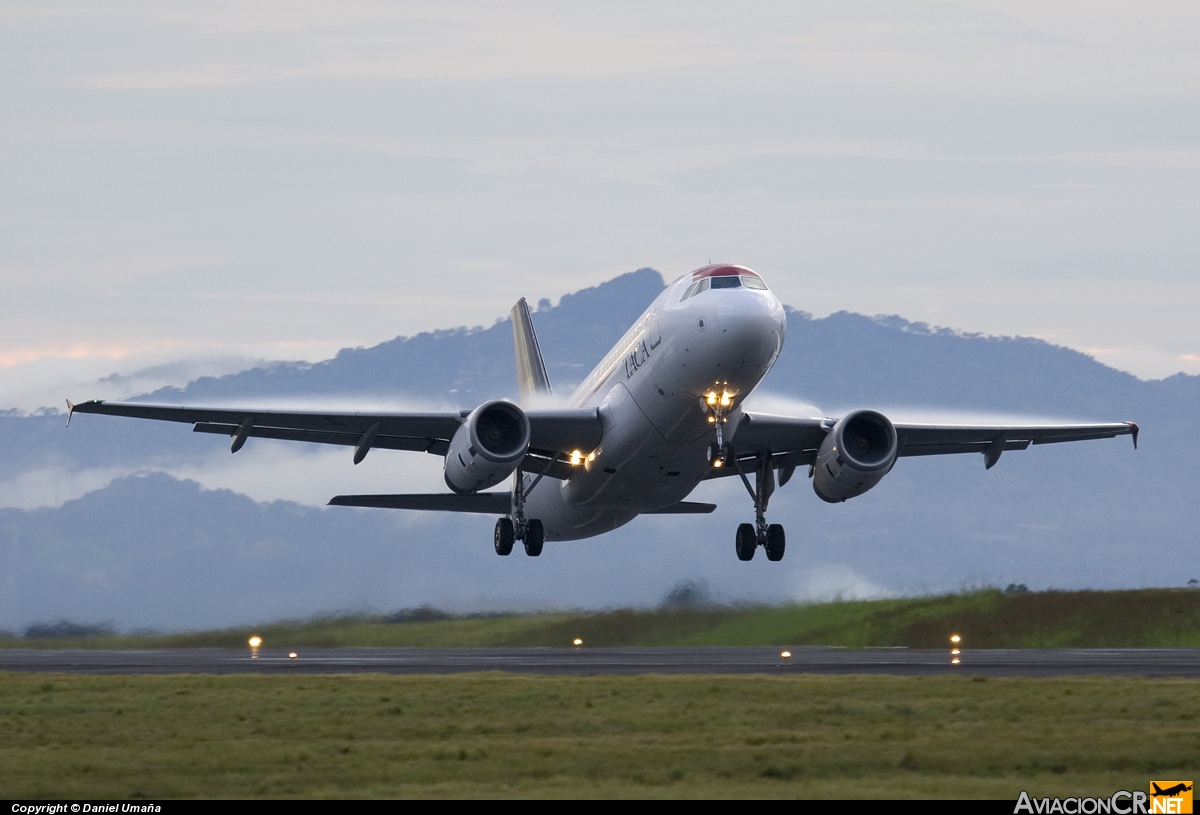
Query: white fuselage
{"x": 649, "y": 390}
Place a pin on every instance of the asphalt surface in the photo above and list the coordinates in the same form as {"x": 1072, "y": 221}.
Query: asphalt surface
{"x": 1183, "y": 662}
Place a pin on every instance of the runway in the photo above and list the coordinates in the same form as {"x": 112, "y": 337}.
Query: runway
{"x": 1182, "y": 662}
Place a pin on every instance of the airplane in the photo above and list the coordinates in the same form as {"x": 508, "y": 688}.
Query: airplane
{"x": 1170, "y": 792}
{"x": 661, "y": 412}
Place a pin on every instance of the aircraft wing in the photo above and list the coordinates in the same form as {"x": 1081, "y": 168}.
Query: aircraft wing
{"x": 794, "y": 441}
{"x": 936, "y": 440}
{"x": 551, "y": 431}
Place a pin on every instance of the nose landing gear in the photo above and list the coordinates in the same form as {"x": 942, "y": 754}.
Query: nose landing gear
{"x": 716, "y": 410}
{"x": 760, "y": 533}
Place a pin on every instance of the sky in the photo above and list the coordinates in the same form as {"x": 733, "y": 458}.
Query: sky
{"x": 191, "y": 187}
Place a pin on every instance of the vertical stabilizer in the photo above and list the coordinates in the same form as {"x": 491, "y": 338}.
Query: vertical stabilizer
{"x": 532, "y": 381}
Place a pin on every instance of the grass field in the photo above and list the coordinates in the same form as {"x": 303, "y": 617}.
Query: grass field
{"x": 985, "y": 619}
{"x": 488, "y": 735}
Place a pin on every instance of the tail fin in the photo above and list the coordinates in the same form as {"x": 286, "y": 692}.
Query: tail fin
{"x": 532, "y": 380}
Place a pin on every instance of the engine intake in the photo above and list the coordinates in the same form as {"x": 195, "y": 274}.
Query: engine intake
{"x": 855, "y": 456}
{"x": 487, "y": 448}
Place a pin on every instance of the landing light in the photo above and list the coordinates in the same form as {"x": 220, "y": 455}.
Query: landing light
{"x": 711, "y": 398}
{"x": 955, "y": 638}
{"x": 577, "y": 642}
{"x": 255, "y": 641}
{"x": 726, "y": 400}
{"x": 291, "y": 655}
{"x": 576, "y": 457}
{"x": 786, "y": 654}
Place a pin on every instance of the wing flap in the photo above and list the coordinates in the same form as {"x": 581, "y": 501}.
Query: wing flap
{"x": 419, "y": 445}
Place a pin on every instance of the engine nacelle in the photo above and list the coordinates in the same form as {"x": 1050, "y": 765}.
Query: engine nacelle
{"x": 855, "y": 456}
{"x": 487, "y": 448}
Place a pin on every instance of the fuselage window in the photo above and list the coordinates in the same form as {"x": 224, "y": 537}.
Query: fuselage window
{"x": 730, "y": 282}
{"x": 753, "y": 283}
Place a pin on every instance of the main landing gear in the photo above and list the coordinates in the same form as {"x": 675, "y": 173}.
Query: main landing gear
{"x": 534, "y": 536}
{"x": 759, "y": 533}
{"x": 518, "y": 527}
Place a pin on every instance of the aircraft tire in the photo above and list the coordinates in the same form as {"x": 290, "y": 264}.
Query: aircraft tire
{"x": 504, "y": 536}
{"x": 746, "y": 542}
{"x": 535, "y": 536}
{"x": 775, "y": 542}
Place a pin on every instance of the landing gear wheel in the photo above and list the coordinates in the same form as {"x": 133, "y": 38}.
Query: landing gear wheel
{"x": 535, "y": 536}
{"x": 746, "y": 542}
{"x": 775, "y": 542}
{"x": 504, "y": 536}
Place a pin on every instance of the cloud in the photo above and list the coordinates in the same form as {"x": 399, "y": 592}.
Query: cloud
{"x": 835, "y": 582}
{"x": 54, "y": 486}
{"x": 281, "y": 471}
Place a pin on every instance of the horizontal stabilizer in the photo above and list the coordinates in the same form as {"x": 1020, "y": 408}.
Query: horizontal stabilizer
{"x": 487, "y": 503}
{"x": 684, "y": 508}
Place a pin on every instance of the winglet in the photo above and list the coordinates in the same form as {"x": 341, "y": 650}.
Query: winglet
{"x": 70, "y": 412}
{"x": 1134, "y": 429}
{"x": 532, "y": 379}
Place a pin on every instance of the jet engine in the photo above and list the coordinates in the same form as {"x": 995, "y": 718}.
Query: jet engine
{"x": 487, "y": 448}
{"x": 858, "y": 452}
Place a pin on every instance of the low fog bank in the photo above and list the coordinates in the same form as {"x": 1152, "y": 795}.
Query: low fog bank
{"x": 151, "y": 551}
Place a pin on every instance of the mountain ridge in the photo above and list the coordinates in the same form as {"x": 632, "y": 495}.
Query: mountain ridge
{"x": 1094, "y": 514}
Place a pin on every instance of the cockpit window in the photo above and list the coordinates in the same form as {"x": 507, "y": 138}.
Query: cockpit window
{"x": 694, "y": 289}
{"x": 729, "y": 282}
{"x": 753, "y": 282}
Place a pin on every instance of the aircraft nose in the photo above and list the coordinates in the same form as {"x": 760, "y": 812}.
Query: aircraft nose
{"x": 754, "y": 321}
{"x": 752, "y": 314}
